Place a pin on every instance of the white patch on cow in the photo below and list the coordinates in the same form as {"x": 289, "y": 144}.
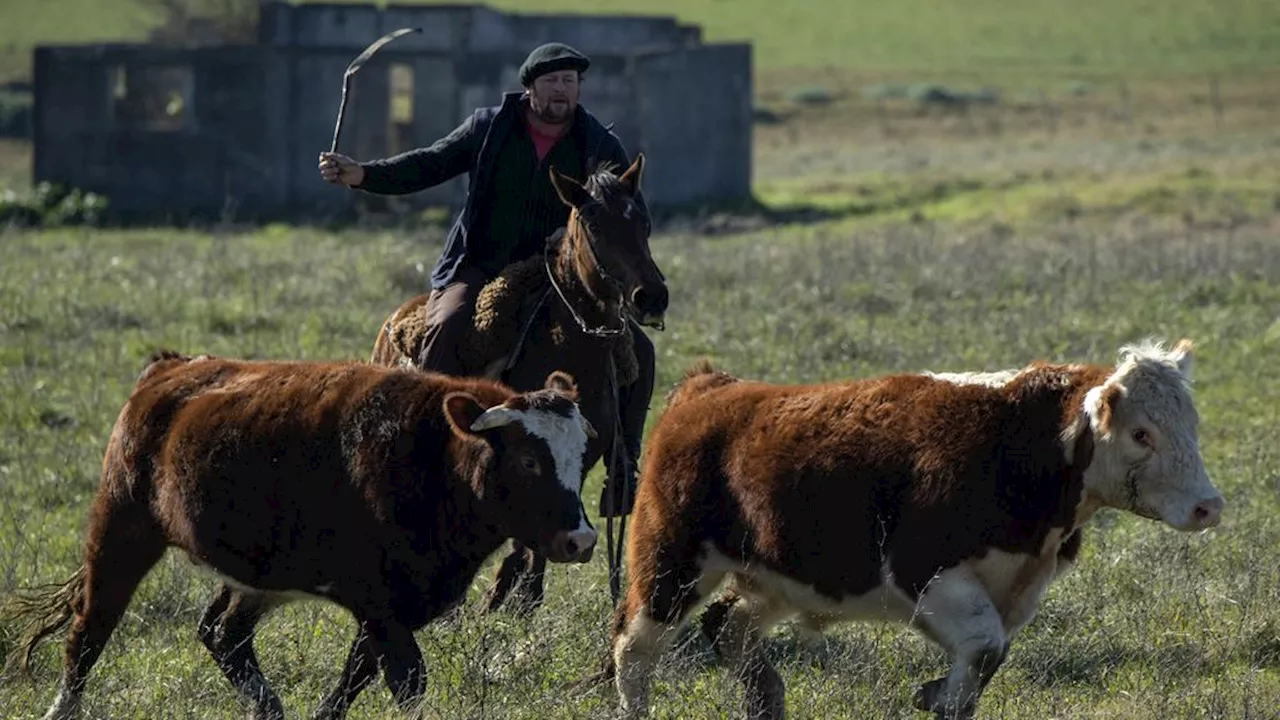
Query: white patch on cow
{"x": 884, "y": 602}
{"x": 275, "y": 598}
{"x": 1170, "y": 483}
{"x": 66, "y": 705}
{"x": 566, "y": 439}
{"x": 957, "y": 612}
{"x": 991, "y": 379}
{"x": 1016, "y": 581}
{"x": 635, "y": 653}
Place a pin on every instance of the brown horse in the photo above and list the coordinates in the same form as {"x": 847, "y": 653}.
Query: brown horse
{"x": 601, "y": 273}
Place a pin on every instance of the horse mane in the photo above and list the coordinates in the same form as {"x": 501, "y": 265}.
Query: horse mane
{"x": 604, "y": 183}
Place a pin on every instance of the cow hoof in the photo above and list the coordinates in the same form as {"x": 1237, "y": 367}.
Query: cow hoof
{"x": 927, "y": 696}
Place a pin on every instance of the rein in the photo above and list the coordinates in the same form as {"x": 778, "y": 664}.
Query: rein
{"x": 615, "y": 461}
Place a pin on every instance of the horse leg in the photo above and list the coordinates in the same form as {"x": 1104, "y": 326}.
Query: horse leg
{"x": 529, "y": 591}
{"x": 123, "y": 544}
{"x": 227, "y": 630}
{"x": 509, "y": 574}
{"x": 401, "y": 662}
{"x": 360, "y": 669}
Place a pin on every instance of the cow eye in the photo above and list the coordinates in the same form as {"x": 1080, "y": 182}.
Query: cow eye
{"x": 529, "y": 463}
{"x": 1142, "y": 437}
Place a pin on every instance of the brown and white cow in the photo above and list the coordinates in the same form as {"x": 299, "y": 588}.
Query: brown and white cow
{"x": 378, "y": 489}
{"x": 948, "y": 502}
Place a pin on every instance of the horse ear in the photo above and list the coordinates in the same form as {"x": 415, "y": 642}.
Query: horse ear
{"x": 631, "y": 178}
{"x": 571, "y": 192}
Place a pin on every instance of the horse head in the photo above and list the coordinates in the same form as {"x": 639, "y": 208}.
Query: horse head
{"x": 606, "y": 242}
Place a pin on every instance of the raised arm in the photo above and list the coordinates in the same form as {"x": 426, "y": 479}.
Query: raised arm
{"x": 408, "y": 172}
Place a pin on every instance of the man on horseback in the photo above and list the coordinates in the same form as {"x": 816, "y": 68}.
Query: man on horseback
{"x": 511, "y": 208}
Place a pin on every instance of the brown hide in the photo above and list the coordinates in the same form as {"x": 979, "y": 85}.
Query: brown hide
{"x": 346, "y": 477}
{"x": 822, "y": 482}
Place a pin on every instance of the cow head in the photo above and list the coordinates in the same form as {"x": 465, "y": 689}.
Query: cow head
{"x": 533, "y": 483}
{"x": 1146, "y": 454}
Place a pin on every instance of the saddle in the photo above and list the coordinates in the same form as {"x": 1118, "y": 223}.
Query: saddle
{"x": 506, "y": 309}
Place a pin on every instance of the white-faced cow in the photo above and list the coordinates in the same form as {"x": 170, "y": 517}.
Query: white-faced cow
{"x": 378, "y": 489}
{"x": 948, "y": 502}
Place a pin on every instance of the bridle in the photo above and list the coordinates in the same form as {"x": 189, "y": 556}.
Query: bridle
{"x": 600, "y": 330}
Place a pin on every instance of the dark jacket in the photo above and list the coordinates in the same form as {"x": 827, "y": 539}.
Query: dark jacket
{"x": 472, "y": 148}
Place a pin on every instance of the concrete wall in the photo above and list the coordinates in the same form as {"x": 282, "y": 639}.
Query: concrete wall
{"x": 693, "y": 108}
{"x": 220, "y": 147}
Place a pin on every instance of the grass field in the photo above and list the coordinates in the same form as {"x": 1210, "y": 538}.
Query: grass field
{"x": 1154, "y": 623}
{"x": 1059, "y": 223}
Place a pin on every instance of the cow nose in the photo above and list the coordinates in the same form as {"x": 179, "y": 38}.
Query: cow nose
{"x": 580, "y": 544}
{"x": 1208, "y": 513}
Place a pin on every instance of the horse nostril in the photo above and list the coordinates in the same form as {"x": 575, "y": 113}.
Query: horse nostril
{"x": 654, "y": 302}
{"x": 570, "y": 547}
{"x": 661, "y": 300}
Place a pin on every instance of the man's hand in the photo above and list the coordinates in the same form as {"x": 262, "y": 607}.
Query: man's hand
{"x": 338, "y": 168}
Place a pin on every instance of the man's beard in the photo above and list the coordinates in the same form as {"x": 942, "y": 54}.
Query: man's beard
{"x": 554, "y": 111}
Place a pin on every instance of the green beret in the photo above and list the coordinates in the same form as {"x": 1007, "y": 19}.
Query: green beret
{"x": 551, "y": 57}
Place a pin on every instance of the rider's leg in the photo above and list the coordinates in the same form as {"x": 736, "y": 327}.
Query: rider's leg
{"x": 449, "y": 316}
{"x": 633, "y": 406}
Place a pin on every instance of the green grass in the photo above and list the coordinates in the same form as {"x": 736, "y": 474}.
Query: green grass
{"x": 915, "y": 38}
{"x": 1154, "y": 623}
{"x": 25, "y": 24}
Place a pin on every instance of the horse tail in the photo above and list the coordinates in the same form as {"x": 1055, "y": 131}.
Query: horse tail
{"x": 699, "y": 378}
{"x": 41, "y": 611}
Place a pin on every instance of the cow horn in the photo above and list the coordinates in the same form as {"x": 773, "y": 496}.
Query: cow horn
{"x": 588, "y": 428}
{"x": 496, "y": 416}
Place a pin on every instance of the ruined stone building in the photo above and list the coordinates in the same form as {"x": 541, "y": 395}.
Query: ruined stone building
{"x": 204, "y": 130}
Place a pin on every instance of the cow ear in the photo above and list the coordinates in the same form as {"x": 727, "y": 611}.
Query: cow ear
{"x": 1100, "y": 404}
{"x": 463, "y": 410}
{"x": 563, "y": 383}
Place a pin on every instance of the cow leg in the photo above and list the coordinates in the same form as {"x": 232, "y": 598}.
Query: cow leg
{"x": 956, "y": 612}
{"x": 360, "y": 669}
{"x": 657, "y": 604}
{"x": 401, "y": 662}
{"x": 227, "y": 629}
{"x": 123, "y": 545}
{"x": 739, "y": 641}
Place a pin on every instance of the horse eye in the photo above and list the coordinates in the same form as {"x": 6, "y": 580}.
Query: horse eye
{"x": 1142, "y": 437}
